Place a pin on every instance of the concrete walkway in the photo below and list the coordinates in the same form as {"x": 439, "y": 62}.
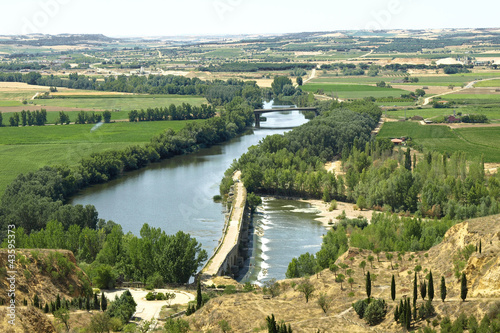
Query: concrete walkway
{"x": 230, "y": 238}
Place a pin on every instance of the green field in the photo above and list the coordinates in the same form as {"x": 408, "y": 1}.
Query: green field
{"x": 475, "y": 141}
{"x": 455, "y": 97}
{"x": 25, "y": 149}
{"x": 123, "y": 103}
{"x": 493, "y": 114}
{"x": 354, "y": 90}
{"x": 489, "y": 83}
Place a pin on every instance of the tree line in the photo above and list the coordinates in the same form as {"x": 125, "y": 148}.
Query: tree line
{"x": 28, "y": 118}
{"x": 172, "y": 112}
{"x": 256, "y": 66}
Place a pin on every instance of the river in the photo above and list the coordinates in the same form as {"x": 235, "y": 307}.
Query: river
{"x": 176, "y": 194}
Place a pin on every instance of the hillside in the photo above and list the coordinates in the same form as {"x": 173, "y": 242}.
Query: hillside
{"x": 246, "y": 312}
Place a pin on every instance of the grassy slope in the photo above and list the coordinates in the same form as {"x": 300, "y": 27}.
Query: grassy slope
{"x": 473, "y": 141}
{"x": 27, "y": 149}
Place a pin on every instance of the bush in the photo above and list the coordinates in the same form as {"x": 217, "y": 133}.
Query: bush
{"x": 154, "y": 281}
{"x": 176, "y": 326}
{"x": 360, "y": 307}
{"x": 426, "y": 310}
{"x": 375, "y": 312}
{"x": 150, "y": 296}
{"x": 160, "y": 296}
{"x": 230, "y": 290}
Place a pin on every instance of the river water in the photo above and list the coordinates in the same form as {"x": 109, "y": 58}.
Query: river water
{"x": 176, "y": 194}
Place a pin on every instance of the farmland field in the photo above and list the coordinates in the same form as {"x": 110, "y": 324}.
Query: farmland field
{"x": 473, "y": 141}
{"x": 489, "y": 83}
{"x": 25, "y": 149}
{"x": 354, "y": 90}
{"x": 123, "y": 103}
{"x": 491, "y": 113}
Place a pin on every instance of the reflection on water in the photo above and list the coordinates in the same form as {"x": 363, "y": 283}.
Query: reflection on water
{"x": 176, "y": 194}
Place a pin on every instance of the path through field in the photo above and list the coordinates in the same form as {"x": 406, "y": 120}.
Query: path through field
{"x": 470, "y": 85}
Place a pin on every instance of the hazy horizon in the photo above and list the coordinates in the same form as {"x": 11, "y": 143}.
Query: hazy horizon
{"x": 154, "y": 18}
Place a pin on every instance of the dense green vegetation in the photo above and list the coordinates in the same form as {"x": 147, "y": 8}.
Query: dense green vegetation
{"x": 181, "y": 112}
{"x": 353, "y": 90}
{"x": 255, "y": 67}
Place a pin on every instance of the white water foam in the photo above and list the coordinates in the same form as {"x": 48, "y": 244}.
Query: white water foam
{"x": 306, "y": 210}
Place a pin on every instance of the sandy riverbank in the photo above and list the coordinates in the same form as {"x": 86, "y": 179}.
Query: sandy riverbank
{"x": 326, "y": 215}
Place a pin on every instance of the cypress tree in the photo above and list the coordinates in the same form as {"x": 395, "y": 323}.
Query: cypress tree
{"x": 393, "y": 288}
{"x": 36, "y": 301}
{"x": 396, "y": 314}
{"x": 408, "y": 159}
{"x": 199, "y": 297}
{"x": 431, "y": 287}
{"x": 58, "y": 302}
{"x": 80, "y": 303}
{"x": 104, "y": 302}
{"x": 480, "y": 249}
{"x": 97, "y": 306}
{"x": 87, "y": 303}
{"x": 46, "y": 308}
{"x": 368, "y": 285}
{"x": 443, "y": 289}
{"x": 463, "y": 289}
{"x": 408, "y": 315}
{"x": 415, "y": 290}
{"x": 423, "y": 290}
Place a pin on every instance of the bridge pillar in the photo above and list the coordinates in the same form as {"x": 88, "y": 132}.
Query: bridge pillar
{"x": 257, "y": 119}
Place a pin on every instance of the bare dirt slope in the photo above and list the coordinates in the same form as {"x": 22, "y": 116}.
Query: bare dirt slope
{"x": 246, "y": 312}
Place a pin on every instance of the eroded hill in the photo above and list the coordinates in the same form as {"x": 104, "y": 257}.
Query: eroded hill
{"x": 246, "y": 312}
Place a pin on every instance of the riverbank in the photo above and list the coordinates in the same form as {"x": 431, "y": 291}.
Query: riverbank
{"x": 327, "y": 216}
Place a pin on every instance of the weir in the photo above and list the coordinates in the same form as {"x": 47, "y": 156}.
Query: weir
{"x": 228, "y": 255}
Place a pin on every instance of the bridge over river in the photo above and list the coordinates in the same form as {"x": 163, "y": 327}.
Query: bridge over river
{"x": 259, "y": 112}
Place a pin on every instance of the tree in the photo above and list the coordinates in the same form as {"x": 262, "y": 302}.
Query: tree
{"x": 340, "y": 279}
{"x": 299, "y": 81}
{"x": 36, "y": 301}
{"x": 63, "y": 316}
{"x": 420, "y": 92}
{"x": 415, "y": 289}
{"x": 350, "y": 281}
{"x": 1, "y": 120}
{"x": 389, "y": 257}
{"x": 480, "y": 245}
{"x": 463, "y": 287}
{"x": 393, "y": 288}
{"x": 123, "y": 307}
{"x": 423, "y": 289}
{"x": 199, "y": 297}
{"x": 100, "y": 323}
{"x": 324, "y": 302}
{"x": 363, "y": 265}
{"x": 334, "y": 268}
{"x": 307, "y": 288}
{"x": 87, "y": 303}
{"x": 97, "y": 305}
{"x": 104, "y": 302}
{"x": 431, "y": 287}
{"x": 368, "y": 285}
{"x": 279, "y": 83}
{"x": 443, "y": 289}
{"x": 375, "y": 312}
{"x": 370, "y": 259}
{"x": 408, "y": 159}
{"x": 107, "y": 116}
{"x": 361, "y": 202}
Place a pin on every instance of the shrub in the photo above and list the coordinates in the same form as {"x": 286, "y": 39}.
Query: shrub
{"x": 230, "y": 290}
{"x": 150, "y": 296}
{"x": 160, "y": 296}
{"x": 375, "y": 312}
{"x": 176, "y": 326}
{"x": 360, "y": 307}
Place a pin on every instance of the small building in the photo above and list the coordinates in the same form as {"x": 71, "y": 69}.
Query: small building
{"x": 397, "y": 142}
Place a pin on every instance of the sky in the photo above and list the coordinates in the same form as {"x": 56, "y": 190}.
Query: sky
{"x": 122, "y": 18}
